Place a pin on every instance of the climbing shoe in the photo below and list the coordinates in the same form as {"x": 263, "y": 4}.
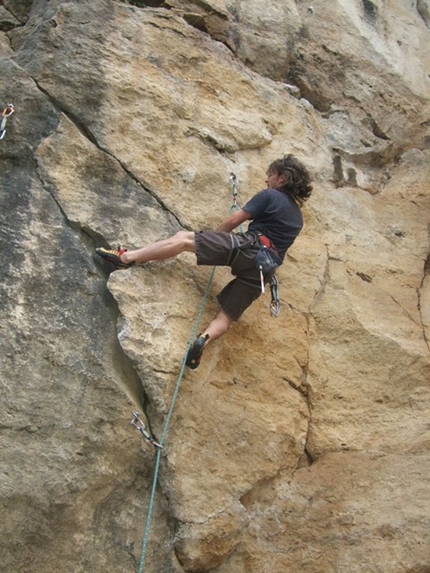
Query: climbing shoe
{"x": 196, "y": 351}
{"x": 113, "y": 256}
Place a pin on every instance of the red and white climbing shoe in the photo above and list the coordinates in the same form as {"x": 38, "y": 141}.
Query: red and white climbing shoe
{"x": 114, "y": 256}
{"x": 196, "y": 351}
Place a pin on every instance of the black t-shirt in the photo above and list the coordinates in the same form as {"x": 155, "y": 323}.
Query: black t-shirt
{"x": 276, "y": 215}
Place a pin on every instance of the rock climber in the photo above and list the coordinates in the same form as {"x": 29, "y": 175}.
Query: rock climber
{"x": 276, "y": 220}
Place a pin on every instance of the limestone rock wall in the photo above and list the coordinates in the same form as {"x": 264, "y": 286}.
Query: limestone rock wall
{"x": 301, "y": 443}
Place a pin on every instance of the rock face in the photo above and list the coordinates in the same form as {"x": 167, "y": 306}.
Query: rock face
{"x": 301, "y": 443}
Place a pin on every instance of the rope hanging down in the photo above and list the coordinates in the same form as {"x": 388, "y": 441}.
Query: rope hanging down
{"x": 167, "y": 422}
{"x": 160, "y": 443}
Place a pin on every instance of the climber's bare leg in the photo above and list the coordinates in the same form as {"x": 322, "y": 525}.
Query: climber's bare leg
{"x": 218, "y": 326}
{"x": 165, "y": 249}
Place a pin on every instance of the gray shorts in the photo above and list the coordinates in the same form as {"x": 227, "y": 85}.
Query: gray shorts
{"x": 236, "y": 251}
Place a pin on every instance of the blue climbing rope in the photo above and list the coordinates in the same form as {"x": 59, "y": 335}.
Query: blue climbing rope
{"x": 233, "y": 180}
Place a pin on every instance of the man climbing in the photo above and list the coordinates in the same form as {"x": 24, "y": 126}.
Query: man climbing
{"x": 276, "y": 220}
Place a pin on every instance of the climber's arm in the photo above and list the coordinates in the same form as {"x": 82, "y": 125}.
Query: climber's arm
{"x": 233, "y": 220}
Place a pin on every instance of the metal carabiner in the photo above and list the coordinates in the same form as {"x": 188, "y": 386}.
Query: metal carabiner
{"x": 7, "y": 112}
{"x": 139, "y": 425}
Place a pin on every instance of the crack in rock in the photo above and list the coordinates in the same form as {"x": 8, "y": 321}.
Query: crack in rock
{"x": 134, "y": 388}
{"x": 425, "y": 277}
{"x": 88, "y": 134}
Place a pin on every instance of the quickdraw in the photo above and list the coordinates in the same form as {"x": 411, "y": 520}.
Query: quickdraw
{"x": 7, "y": 112}
{"x": 234, "y": 205}
{"x": 234, "y": 183}
{"x": 275, "y": 305}
{"x": 139, "y": 425}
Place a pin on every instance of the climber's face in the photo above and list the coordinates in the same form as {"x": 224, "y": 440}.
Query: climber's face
{"x": 274, "y": 180}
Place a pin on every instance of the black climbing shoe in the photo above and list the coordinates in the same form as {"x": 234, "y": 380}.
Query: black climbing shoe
{"x": 113, "y": 256}
{"x": 196, "y": 351}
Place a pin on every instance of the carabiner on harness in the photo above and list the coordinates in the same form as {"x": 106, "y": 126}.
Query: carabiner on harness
{"x": 139, "y": 425}
{"x": 7, "y": 112}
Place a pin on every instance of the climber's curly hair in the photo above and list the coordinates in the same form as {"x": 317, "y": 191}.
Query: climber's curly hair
{"x": 298, "y": 183}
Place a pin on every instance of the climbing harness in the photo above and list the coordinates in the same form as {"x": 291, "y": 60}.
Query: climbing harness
{"x": 139, "y": 425}
{"x": 7, "y": 112}
{"x": 266, "y": 260}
